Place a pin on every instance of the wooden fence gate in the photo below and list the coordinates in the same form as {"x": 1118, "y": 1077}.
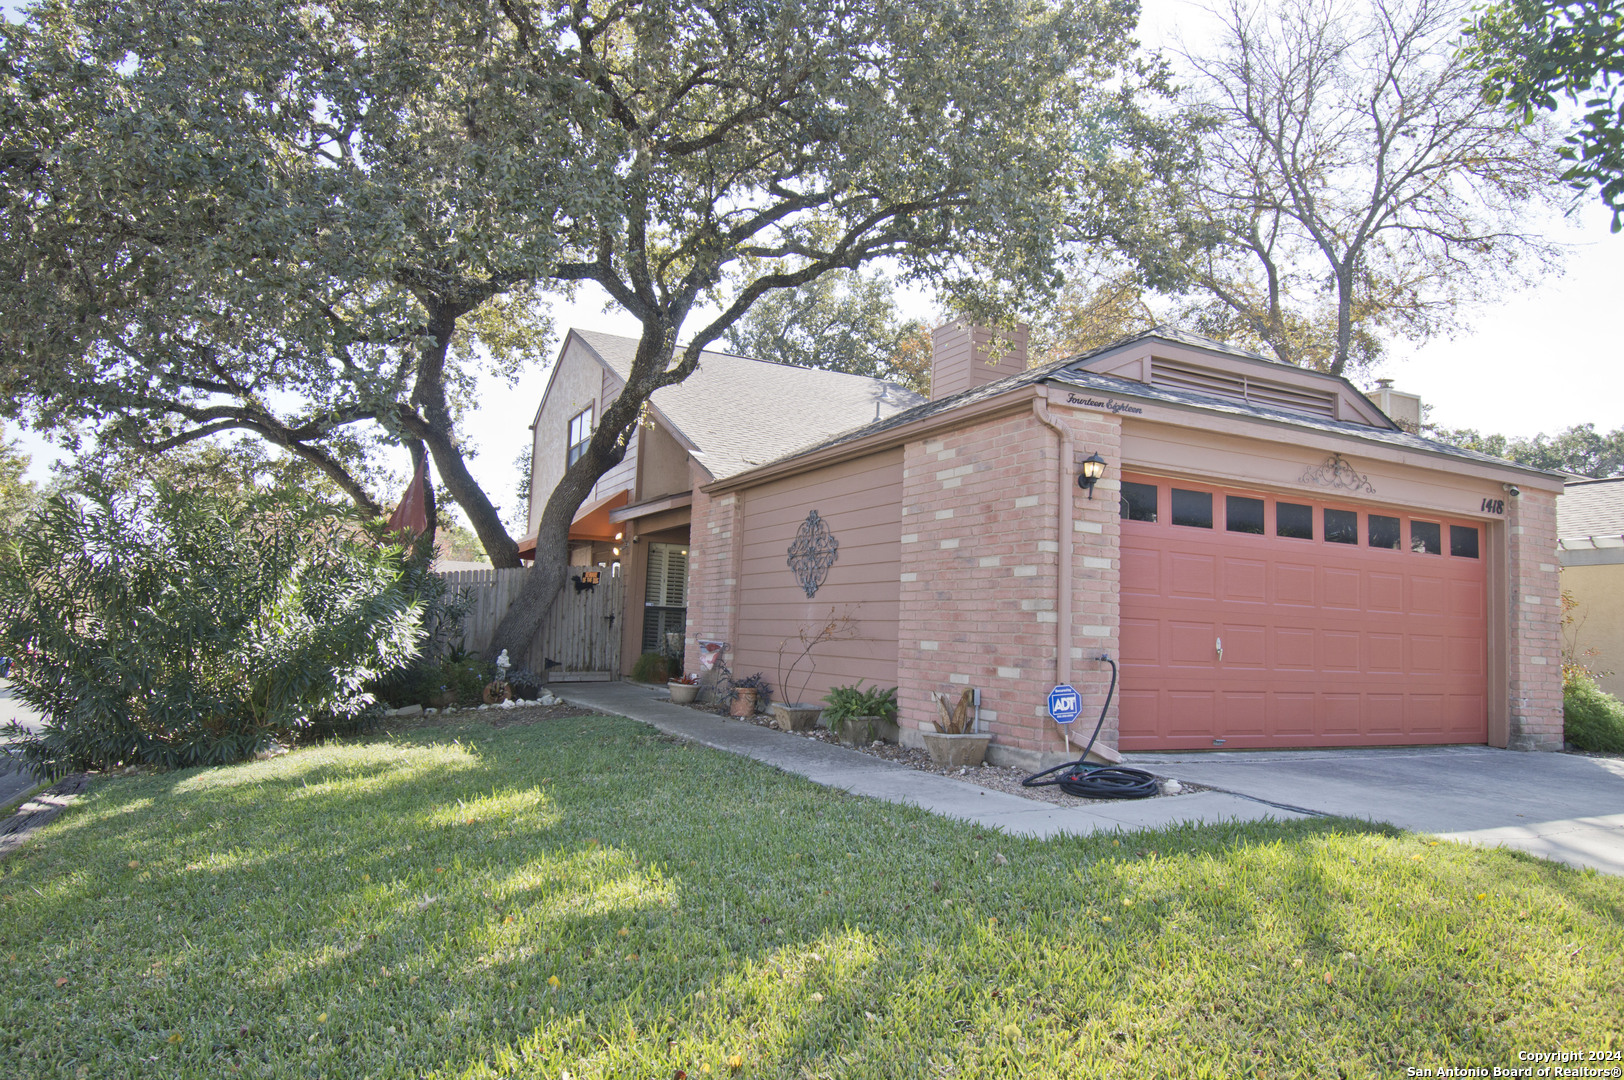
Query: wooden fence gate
{"x": 579, "y": 642}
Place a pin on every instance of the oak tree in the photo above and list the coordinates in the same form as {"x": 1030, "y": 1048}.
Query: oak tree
{"x": 316, "y": 223}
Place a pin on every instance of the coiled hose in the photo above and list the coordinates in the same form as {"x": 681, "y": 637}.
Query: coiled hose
{"x": 1084, "y": 780}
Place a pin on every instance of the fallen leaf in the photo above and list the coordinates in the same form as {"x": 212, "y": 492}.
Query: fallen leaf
{"x": 321, "y": 1018}
{"x": 1328, "y": 979}
{"x": 62, "y": 982}
{"x": 735, "y": 1062}
{"x": 134, "y": 863}
{"x": 817, "y": 998}
{"x": 175, "y": 1039}
{"x": 552, "y": 980}
{"x": 999, "y": 859}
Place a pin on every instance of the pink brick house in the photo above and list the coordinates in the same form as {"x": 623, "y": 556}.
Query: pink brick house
{"x": 1271, "y": 559}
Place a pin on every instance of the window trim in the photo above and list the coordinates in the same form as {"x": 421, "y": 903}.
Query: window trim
{"x": 575, "y": 449}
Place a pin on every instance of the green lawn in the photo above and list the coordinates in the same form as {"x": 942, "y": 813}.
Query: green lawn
{"x": 582, "y": 897}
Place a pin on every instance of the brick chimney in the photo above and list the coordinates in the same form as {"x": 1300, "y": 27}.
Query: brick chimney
{"x": 961, "y": 356}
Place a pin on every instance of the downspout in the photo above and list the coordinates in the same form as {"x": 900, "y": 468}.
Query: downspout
{"x": 1063, "y": 531}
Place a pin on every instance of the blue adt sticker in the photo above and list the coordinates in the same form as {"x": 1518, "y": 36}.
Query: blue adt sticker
{"x": 1064, "y": 704}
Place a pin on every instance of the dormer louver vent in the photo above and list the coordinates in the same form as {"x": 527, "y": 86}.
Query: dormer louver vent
{"x": 1243, "y": 388}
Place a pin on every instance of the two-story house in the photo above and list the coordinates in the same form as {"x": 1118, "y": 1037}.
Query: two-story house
{"x": 732, "y": 414}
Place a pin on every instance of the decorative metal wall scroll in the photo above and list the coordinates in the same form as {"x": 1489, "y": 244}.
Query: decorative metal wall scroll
{"x": 812, "y": 552}
{"x": 1335, "y": 472}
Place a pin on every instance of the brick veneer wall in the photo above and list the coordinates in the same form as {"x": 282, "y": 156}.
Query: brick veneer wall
{"x": 1534, "y": 666}
{"x": 979, "y": 557}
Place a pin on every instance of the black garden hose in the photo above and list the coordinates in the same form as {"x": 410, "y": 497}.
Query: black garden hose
{"x": 1085, "y": 780}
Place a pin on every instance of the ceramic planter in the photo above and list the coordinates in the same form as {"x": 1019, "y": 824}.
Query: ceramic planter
{"x": 801, "y": 717}
{"x": 744, "y": 702}
{"x": 862, "y": 730}
{"x": 683, "y": 693}
{"x": 954, "y": 751}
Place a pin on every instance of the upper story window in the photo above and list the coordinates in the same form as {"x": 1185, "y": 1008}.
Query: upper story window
{"x": 580, "y": 434}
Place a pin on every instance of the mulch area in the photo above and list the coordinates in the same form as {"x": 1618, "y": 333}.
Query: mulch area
{"x": 15, "y": 830}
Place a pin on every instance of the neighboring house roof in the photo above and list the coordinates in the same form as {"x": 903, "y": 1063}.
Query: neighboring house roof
{"x": 1590, "y": 514}
{"x": 739, "y": 413}
{"x": 1071, "y": 372}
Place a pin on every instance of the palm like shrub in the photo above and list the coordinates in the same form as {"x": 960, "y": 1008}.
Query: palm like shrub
{"x": 191, "y": 626}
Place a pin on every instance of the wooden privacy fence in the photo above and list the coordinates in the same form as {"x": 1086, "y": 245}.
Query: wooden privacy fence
{"x": 580, "y": 641}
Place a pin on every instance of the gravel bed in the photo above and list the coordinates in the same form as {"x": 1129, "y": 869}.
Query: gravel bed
{"x": 995, "y": 777}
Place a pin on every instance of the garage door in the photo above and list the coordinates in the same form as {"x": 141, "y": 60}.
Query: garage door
{"x": 1250, "y": 620}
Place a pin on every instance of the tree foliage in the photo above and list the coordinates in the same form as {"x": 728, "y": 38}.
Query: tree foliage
{"x": 842, "y": 321}
{"x": 1580, "y": 450}
{"x": 177, "y": 625}
{"x": 1352, "y": 184}
{"x": 313, "y": 223}
{"x": 17, "y": 493}
{"x": 1090, "y": 314}
{"x": 1533, "y": 53}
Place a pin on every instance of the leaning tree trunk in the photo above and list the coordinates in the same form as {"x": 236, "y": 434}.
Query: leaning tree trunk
{"x": 525, "y": 614}
{"x": 605, "y": 450}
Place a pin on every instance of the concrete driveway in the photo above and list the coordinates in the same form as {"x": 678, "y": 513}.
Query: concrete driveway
{"x": 13, "y": 781}
{"x": 1565, "y": 807}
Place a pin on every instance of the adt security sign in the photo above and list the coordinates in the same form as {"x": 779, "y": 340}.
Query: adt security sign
{"x": 1064, "y": 704}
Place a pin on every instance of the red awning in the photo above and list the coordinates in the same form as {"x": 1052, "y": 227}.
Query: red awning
{"x": 592, "y": 520}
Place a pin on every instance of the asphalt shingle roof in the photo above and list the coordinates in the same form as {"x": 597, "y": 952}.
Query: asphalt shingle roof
{"x": 1591, "y": 508}
{"x": 1070, "y": 372}
{"x": 741, "y": 413}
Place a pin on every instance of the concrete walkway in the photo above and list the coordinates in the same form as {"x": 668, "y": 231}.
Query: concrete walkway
{"x": 864, "y": 774}
{"x": 1566, "y": 807}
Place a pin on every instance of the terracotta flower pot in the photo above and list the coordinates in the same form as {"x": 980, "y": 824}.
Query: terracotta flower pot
{"x": 683, "y": 693}
{"x": 744, "y": 702}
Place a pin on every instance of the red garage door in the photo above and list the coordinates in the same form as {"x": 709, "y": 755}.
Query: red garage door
{"x": 1255, "y": 621}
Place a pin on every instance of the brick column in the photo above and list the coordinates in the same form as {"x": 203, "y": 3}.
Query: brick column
{"x": 1096, "y": 573}
{"x": 979, "y": 560}
{"x": 1534, "y": 666}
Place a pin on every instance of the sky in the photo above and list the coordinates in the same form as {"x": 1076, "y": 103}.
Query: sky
{"x": 1535, "y": 361}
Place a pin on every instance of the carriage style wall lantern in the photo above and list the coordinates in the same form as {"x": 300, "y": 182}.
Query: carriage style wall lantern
{"x": 1093, "y": 469}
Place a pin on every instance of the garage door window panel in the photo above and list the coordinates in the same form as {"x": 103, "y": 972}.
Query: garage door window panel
{"x": 1462, "y": 542}
{"x": 1192, "y": 509}
{"x": 1139, "y": 502}
{"x": 1243, "y": 515}
{"x": 1341, "y": 526}
{"x": 1426, "y": 538}
{"x": 1382, "y": 531}
{"x": 1294, "y": 521}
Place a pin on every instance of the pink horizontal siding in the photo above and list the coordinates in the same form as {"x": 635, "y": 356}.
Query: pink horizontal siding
{"x": 861, "y": 503}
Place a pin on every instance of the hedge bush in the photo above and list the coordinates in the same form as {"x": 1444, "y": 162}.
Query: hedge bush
{"x": 180, "y": 626}
{"x": 1592, "y": 719}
